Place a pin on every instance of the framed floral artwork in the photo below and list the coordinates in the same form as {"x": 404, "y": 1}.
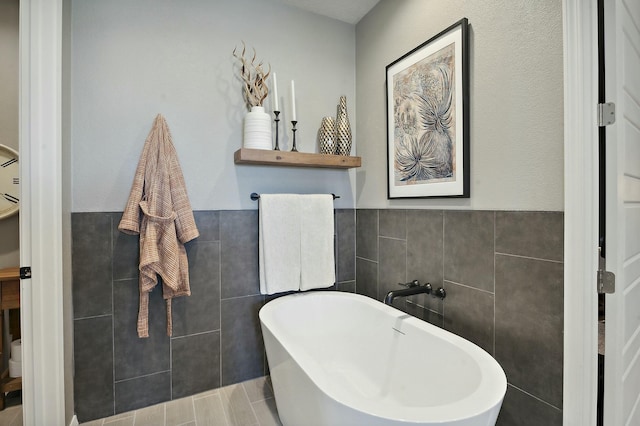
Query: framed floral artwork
{"x": 428, "y": 118}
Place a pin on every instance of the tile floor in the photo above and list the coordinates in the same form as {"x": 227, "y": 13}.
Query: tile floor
{"x": 11, "y": 416}
{"x": 244, "y": 404}
{"x": 250, "y": 403}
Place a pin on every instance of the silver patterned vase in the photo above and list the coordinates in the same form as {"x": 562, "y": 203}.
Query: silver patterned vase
{"x": 343, "y": 129}
{"x": 327, "y": 135}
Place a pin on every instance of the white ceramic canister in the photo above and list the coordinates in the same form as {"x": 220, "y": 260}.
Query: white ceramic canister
{"x": 257, "y": 129}
{"x": 15, "y": 361}
{"x": 15, "y": 368}
{"x": 16, "y": 350}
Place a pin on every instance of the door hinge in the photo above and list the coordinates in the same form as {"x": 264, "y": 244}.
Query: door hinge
{"x": 606, "y": 114}
{"x": 25, "y": 272}
{"x": 606, "y": 282}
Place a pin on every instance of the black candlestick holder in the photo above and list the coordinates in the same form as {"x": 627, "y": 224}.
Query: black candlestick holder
{"x": 294, "y": 122}
{"x": 277, "y": 120}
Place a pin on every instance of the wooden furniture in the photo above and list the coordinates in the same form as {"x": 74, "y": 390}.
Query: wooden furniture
{"x": 268, "y": 157}
{"x": 9, "y": 299}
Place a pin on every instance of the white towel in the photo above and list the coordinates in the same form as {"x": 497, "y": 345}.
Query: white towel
{"x": 279, "y": 245}
{"x": 317, "y": 260}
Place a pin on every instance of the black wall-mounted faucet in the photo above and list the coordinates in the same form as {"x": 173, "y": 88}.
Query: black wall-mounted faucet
{"x": 412, "y": 288}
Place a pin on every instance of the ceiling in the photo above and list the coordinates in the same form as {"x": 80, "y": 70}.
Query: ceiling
{"x": 350, "y": 11}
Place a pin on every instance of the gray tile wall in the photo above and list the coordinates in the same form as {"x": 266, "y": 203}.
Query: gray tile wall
{"x": 216, "y": 334}
{"x": 503, "y": 273}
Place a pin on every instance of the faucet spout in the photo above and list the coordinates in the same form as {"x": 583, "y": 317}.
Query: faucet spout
{"x": 410, "y": 291}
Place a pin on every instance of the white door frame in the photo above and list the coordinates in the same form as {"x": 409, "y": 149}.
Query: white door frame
{"x": 41, "y": 211}
{"x": 581, "y": 212}
{"x": 41, "y": 217}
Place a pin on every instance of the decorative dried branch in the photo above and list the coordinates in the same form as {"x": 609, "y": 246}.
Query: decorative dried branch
{"x": 253, "y": 77}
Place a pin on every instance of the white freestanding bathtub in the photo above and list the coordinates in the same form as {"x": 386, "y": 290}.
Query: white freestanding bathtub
{"x": 344, "y": 359}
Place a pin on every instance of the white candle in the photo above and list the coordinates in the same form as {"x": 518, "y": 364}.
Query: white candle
{"x": 293, "y": 102}
{"x": 275, "y": 93}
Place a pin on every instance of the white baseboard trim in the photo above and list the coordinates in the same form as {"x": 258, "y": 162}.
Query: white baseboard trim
{"x": 74, "y": 421}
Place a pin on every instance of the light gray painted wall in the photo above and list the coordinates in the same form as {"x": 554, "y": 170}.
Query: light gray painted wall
{"x": 516, "y": 94}
{"x": 66, "y": 213}
{"x": 134, "y": 59}
{"x": 9, "y": 73}
{"x": 9, "y": 231}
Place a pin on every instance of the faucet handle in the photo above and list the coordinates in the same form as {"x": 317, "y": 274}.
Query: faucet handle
{"x": 440, "y": 293}
{"x": 414, "y": 283}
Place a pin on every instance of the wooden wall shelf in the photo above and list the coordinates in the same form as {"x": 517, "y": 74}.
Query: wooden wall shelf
{"x": 268, "y": 157}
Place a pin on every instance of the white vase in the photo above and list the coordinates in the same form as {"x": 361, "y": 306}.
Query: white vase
{"x": 257, "y": 129}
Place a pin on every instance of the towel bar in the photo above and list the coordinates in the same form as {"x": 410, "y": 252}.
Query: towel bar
{"x": 256, "y": 196}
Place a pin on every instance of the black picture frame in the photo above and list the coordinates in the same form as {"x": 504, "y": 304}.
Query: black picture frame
{"x": 427, "y": 99}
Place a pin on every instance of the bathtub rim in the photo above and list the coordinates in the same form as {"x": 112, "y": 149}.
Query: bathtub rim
{"x": 483, "y": 400}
